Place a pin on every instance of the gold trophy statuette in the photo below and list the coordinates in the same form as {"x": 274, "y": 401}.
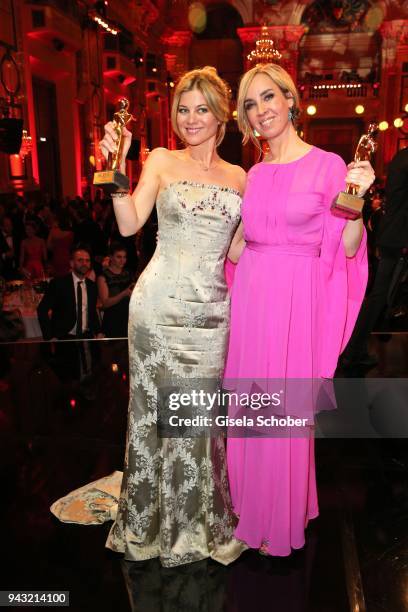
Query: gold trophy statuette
{"x": 112, "y": 179}
{"x": 348, "y": 204}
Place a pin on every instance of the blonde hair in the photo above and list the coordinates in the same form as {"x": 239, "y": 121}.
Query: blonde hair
{"x": 215, "y": 91}
{"x": 285, "y": 83}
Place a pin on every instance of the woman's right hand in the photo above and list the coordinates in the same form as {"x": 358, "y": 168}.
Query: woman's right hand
{"x": 128, "y": 292}
{"x": 108, "y": 142}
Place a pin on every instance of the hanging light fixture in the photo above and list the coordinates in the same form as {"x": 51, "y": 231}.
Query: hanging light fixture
{"x": 103, "y": 22}
{"x": 26, "y": 145}
{"x": 265, "y": 51}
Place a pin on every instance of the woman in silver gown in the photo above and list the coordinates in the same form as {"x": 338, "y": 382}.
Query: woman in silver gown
{"x": 174, "y": 501}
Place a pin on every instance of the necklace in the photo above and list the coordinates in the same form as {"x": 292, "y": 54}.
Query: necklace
{"x": 204, "y": 166}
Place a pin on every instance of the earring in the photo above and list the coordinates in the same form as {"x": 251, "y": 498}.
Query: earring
{"x": 291, "y": 113}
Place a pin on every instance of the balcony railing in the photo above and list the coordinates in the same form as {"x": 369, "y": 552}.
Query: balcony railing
{"x": 48, "y": 22}
{"x": 67, "y": 7}
{"x": 330, "y": 89}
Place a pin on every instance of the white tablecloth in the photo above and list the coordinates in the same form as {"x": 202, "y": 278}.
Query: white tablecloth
{"x": 31, "y": 325}
{"x": 27, "y": 305}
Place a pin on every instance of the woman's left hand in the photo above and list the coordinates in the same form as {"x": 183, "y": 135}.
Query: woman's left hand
{"x": 361, "y": 174}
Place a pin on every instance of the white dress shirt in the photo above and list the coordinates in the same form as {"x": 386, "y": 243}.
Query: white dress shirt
{"x": 77, "y": 280}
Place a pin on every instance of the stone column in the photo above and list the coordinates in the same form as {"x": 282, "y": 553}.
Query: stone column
{"x": 177, "y": 51}
{"x": 16, "y": 89}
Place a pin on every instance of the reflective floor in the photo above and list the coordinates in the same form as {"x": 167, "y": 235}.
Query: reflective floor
{"x": 62, "y": 424}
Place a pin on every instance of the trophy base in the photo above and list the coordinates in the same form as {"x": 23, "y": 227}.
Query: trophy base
{"x": 347, "y": 206}
{"x": 111, "y": 181}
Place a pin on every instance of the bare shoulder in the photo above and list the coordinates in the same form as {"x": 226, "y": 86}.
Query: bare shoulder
{"x": 237, "y": 175}
{"x": 158, "y": 160}
{"x": 239, "y": 172}
{"x": 159, "y": 154}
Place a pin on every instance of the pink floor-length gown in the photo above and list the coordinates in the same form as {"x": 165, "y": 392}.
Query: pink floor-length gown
{"x": 34, "y": 256}
{"x": 295, "y": 298}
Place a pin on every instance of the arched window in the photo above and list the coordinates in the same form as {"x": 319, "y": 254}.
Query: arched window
{"x": 222, "y": 22}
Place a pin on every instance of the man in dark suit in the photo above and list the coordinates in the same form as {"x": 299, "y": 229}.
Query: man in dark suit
{"x": 68, "y": 308}
{"x": 392, "y": 242}
{"x": 8, "y": 259}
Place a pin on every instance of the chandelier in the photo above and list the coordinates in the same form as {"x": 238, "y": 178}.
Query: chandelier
{"x": 103, "y": 22}
{"x": 26, "y": 145}
{"x": 264, "y": 51}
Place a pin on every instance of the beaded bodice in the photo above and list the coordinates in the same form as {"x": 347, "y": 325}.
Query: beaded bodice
{"x": 196, "y": 224}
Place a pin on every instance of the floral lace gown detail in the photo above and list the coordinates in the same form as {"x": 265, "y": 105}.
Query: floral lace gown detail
{"x": 174, "y": 501}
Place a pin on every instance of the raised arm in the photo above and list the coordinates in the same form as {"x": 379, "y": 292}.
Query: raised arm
{"x": 132, "y": 211}
{"x": 103, "y": 291}
{"x": 361, "y": 174}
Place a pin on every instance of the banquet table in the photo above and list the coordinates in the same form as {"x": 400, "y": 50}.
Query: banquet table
{"x": 25, "y": 300}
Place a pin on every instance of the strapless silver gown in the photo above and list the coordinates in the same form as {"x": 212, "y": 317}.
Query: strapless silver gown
{"x": 174, "y": 501}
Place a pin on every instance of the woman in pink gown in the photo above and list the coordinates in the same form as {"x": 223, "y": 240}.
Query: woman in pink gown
{"x": 59, "y": 243}
{"x": 297, "y": 290}
{"x": 33, "y": 253}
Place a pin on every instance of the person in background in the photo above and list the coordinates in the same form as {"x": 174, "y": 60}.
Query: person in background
{"x": 59, "y": 244}
{"x": 129, "y": 242}
{"x": 114, "y": 289}
{"x": 33, "y": 253}
{"x": 8, "y": 263}
{"x": 86, "y": 230}
{"x": 44, "y": 221}
{"x": 16, "y": 213}
{"x": 11, "y": 322}
{"x": 372, "y": 214}
{"x": 68, "y": 307}
{"x": 392, "y": 243}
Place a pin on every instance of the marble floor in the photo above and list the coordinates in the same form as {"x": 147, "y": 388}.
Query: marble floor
{"x": 62, "y": 424}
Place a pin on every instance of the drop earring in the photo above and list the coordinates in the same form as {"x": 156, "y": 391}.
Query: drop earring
{"x": 291, "y": 113}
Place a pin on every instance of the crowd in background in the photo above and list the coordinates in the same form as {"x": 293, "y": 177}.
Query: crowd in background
{"x": 373, "y": 212}
{"x": 38, "y": 235}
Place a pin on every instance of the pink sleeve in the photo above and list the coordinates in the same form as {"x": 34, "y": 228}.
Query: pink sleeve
{"x": 342, "y": 280}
